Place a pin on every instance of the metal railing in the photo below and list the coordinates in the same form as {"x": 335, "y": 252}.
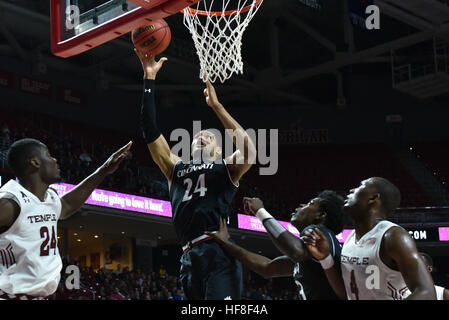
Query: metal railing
{"x": 438, "y": 62}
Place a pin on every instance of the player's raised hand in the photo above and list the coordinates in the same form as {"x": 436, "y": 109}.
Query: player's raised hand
{"x": 116, "y": 158}
{"x": 222, "y": 235}
{"x": 252, "y": 205}
{"x": 211, "y": 95}
{"x": 149, "y": 65}
{"x": 316, "y": 242}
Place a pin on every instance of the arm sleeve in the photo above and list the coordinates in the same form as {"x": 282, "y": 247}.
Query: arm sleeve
{"x": 150, "y": 130}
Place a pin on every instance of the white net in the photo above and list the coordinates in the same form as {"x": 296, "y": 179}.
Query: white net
{"x": 218, "y": 35}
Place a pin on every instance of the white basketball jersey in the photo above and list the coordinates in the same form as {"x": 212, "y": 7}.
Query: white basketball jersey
{"x": 440, "y": 292}
{"x": 365, "y": 276}
{"x": 29, "y": 258}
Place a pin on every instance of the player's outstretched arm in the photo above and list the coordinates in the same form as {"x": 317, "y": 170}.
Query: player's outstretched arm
{"x": 73, "y": 200}
{"x": 286, "y": 242}
{"x": 398, "y": 249}
{"x": 268, "y": 268}
{"x": 156, "y": 143}
{"x": 318, "y": 246}
{"x": 9, "y": 211}
{"x": 239, "y": 162}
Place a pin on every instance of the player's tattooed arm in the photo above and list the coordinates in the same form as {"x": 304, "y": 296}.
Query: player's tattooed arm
{"x": 267, "y": 268}
{"x": 241, "y": 160}
{"x": 156, "y": 142}
{"x": 9, "y": 211}
{"x": 286, "y": 242}
{"x": 398, "y": 251}
{"x": 318, "y": 246}
{"x": 73, "y": 200}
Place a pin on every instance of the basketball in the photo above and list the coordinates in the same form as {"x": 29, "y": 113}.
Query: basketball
{"x": 152, "y": 39}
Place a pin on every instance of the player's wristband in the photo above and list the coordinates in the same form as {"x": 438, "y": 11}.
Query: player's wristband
{"x": 148, "y": 124}
{"x": 327, "y": 262}
{"x": 270, "y": 223}
{"x": 263, "y": 214}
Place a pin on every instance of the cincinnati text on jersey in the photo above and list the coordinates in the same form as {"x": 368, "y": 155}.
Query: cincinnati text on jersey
{"x": 193, "y": 168}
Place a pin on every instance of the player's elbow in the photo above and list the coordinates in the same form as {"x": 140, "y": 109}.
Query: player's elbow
{"x": 297, "y": 254}
{"x": 252, "y": 154}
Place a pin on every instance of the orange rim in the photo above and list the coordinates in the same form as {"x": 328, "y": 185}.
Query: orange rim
{"x": 193, "y": 12}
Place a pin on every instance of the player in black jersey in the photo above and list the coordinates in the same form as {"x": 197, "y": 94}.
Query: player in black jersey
{"x": 201, "y": 193}
{"x": 323, "y": 212}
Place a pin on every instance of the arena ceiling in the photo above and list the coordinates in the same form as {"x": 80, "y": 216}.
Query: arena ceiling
{"x": 295, "y": 51}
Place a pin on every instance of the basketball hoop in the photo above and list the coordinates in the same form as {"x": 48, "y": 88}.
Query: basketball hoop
{"x": 217, "y": 36}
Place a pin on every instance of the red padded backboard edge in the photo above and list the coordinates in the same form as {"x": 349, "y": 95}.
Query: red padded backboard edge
{"x": 110, "y": 30}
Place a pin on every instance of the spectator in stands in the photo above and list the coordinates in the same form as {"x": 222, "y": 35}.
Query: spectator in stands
{"x": 177, "y": 295}
{"x": 5, "y": 142}
{"x": 255, "y": 294}
{"x": 162, "y": 272}
{"x": 158, "y": 296}
{"x": 102, "y": 292}
{"x": 116, "y": 295}
{"x": 140, "y": 186}
{"x": 5, "y": 139}
{"x": 119, "y": 270}
{"x": 153, "y": 289}
{"x": 77, "y": 165}
{"x": 85, "y": 157}
{"x": 266, "y": 295}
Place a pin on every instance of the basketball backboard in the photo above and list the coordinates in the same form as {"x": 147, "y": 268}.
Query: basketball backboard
{"x": 80, "y": 25}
